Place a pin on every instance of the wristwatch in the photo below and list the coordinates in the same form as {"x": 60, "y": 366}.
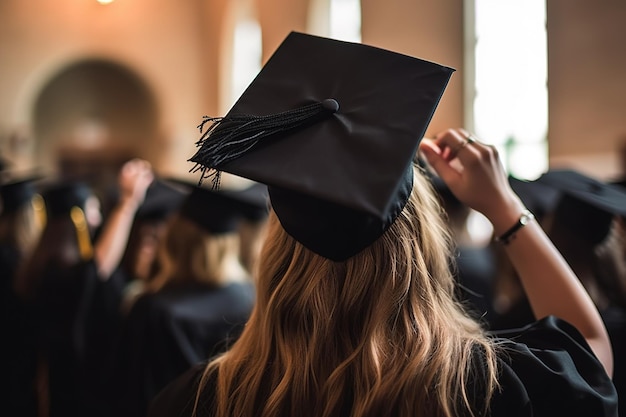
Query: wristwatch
{"x": 525, "y": 218}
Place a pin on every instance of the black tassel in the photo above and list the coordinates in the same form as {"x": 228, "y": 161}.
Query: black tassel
{"x": 227, "y": 139}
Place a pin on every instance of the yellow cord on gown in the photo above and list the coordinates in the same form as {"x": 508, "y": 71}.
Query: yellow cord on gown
{"x": 39, "y": 207}
{"x": 82, "y": 233}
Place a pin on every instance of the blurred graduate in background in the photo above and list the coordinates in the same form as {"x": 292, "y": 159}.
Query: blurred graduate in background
{"x": 21, "y": 219}
{"x": 68, "y": 282}
{"x": 584, "y": 217}
{"x": 140, "y": 263}
{"x": 197, "y": 303}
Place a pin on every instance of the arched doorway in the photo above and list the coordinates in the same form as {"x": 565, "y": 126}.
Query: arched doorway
{"x": 91, "y": 117}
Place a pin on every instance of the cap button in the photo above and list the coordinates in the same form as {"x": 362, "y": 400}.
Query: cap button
{"x": 331, "y": 105}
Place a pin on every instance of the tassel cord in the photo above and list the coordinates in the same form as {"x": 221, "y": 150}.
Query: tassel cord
{"x": 236, "y": 133}
{"x": 228, "y": 138}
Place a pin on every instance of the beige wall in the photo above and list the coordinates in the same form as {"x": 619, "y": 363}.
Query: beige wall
{"x": 431, "y": 30}
{"x": 181, "y": 51}
{"x": 159, "y": 40}
{"x": 587, "y": 84}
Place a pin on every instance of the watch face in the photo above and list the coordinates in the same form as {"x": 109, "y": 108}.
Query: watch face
{"x": 526, "y": 218}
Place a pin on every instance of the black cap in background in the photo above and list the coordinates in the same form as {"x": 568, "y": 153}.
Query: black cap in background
{"x": 587, "y": 205}
{"x": 253, "y": 202}
{"x": 60, "y": 197}
{"x": 539, "y": 198}
{"x": 162, "y": 199}
{"x": 16, "y": 193}
{"x": 332, "y": 128}
{"x": 221, "y": 211}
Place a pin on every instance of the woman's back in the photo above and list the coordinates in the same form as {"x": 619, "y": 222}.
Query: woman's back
{"x": 356, "y": 311}
{"x": 168, "y": 332}
{"x": 195, "y": 307}
{"x": 286, "y": 357}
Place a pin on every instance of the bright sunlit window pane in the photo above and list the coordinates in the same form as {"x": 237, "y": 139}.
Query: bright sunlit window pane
{"x": 247, "y": 56}
{"x": 511, "y": 101}
{"x": 345, "y": 20}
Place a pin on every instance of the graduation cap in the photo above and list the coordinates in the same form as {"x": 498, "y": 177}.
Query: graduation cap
{"x": 331, "y": 128}
{"x": 61, "y": 197}
{"x": 539, "y": 198}
{"x": 253, "y": 202}
{"x": 587, "y": 205}
{"x": 16, "y": 193}
{"x": 162, "y": 199}
{"x": 221, "y": 211}
{"x": 68, "y": 198}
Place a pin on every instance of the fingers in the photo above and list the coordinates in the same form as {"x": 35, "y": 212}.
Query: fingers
{"x": 472, "y": 170}
{"x": 135, "y": 177}
{"x": 456, "y": 143}
{"x": 450, "y": 152}
{"x": 137, "y": 168}
{"x": 439, "y": 160}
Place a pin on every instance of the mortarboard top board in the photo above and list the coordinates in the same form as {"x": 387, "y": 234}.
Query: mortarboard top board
{"x": 587, "y": 205}
{"x": 161, "y": 200}
{"x": 16, "y": 192}
{"x": 220, "y": 211}
{"x": 331, "y": 128}
{"x": 61, "y": 196}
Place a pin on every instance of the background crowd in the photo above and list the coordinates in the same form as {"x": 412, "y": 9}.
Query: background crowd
{"x": 101, "y": 312}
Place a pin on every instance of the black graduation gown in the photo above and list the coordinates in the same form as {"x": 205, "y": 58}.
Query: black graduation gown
{"x": 77, "y": 313}
{"x": 168, "y": 332}
{"x": 20, "y": 335}
{"x": 546, "y": 370}
{"x": 615, "y": 321}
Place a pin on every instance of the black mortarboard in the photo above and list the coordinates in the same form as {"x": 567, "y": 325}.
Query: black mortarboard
{"x": 253, "y": 202}
{"x": 221, "y": 211}
{"x": 16, "y": 193}
{"x": 162, "y": 199}
{"x": 60, "y": 197}
{"x": 587, "y": 205}
{"x": 539, "y": 198}
{"x": 332, "y": 128}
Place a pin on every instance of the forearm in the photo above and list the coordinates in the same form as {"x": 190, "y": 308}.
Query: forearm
{"x": 552, "y": 288}
{"x": 110, "y": 247}
{"x": 550, "y": 284}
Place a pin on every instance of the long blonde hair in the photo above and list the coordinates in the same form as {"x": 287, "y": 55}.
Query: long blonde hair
{"x": 378, "y": 334}
{"x": 190, "y": 254}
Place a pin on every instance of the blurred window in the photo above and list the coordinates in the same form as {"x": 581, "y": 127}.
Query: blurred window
{"x": 508, "y": 98}
{"x": 247, "y": 53}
